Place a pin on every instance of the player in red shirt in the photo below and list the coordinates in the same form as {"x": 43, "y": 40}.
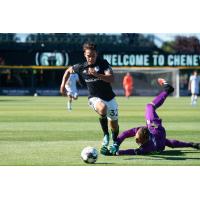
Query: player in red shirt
{"x": 128, "y": 84}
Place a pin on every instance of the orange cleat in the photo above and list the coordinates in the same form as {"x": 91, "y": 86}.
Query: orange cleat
{"x": 161, "y": 81}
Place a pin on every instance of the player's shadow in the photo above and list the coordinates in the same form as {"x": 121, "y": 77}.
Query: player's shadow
{"x": 174, "y": 155}
{"x": 170, "y": 155}
{"x": 104, "y": 163}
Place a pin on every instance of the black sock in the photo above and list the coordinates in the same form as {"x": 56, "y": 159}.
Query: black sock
{"x": 168, "y": 88}
{"x": 104, "y": 124}
{"x": 115, "y": 134}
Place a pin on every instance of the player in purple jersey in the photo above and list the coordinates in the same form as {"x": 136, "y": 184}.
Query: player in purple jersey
{"x": 152, "y": 137}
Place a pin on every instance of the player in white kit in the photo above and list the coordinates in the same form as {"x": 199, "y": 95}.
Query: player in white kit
{"x": 71, "y": 89}
{"x": 193, "y": 87}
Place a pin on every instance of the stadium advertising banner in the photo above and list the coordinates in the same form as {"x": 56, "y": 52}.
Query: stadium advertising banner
{"x": 66, "y": 58}
{"x": 41, "y": 58}
{"x": 148, "y": 60}
{"x": 52, "y": 58}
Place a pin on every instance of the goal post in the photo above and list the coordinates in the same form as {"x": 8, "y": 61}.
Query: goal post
{"x": 145, "y": 80}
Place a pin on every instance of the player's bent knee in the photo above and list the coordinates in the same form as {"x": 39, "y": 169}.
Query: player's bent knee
{"x": 149, "y": 105}
{"x": 101, "y": 108}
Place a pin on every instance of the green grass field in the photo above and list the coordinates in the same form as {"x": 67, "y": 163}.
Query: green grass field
{"x": 39, "y": 131}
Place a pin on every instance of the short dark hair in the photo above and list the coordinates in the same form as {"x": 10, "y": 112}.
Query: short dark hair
{"x": 144, "y": 134}
{"x": 90, "y": 46}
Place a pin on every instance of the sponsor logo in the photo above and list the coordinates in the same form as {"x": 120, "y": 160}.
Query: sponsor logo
{"x": 92, "y": 80}
{"x": 52, "y": 58}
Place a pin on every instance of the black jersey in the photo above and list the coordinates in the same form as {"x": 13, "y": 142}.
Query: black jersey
{"x": 96, "y": 87}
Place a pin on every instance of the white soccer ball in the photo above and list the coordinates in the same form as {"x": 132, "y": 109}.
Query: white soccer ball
{"x": 89, "y": 155}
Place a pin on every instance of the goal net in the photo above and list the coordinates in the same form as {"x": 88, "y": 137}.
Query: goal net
{"x": 145, "y": 80}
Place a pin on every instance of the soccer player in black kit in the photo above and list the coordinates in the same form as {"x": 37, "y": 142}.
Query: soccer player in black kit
{"x": 98, "y": 76}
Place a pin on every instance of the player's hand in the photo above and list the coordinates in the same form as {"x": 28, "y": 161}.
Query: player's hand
{"x": 114, "y": 149}
{"x": 104, "y": 151}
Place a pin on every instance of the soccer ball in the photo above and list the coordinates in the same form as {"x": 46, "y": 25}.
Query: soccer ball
{"x": 89, "y": 155}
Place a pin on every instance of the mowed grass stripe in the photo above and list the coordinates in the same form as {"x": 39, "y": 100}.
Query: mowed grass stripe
{"x": 40, "y": 131}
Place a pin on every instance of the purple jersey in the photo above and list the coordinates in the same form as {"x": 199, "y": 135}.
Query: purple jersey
{"x": 156, "y": 143}
{"x": 154, "y": 123}
{"x": 157, "y": 139}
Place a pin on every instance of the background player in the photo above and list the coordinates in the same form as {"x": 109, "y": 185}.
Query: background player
{"x": 193, "y": 87}
{"x": 128, "y": 84}
{"x": 98, "y": 76}
{"x": 71, "y": 89}
{"x": 152, "y": 137}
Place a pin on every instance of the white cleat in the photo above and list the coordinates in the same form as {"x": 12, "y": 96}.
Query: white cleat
{"x": 106, "y": 140}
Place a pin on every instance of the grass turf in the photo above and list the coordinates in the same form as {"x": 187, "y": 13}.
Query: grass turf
{"x": 39, "y": 131}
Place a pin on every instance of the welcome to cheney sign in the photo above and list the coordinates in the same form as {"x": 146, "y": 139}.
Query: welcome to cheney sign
{"x": 172, "y": 60}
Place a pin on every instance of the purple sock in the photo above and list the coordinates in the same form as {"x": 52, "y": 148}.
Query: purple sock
{"x": 177, "y": 144}
{"x": 159, "y": 100}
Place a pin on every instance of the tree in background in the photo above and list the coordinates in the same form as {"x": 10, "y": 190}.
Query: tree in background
{"x": 182, "y": 44}
{"x": 168, "y": 47}
{"x": 8, "y": 37}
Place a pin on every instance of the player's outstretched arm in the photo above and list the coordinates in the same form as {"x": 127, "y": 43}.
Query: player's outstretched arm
{"x": 126, "y": 152}
{"x": 64, "y": 79}
{"x": 127, "y": 134}
{"x": 139, "y": 151}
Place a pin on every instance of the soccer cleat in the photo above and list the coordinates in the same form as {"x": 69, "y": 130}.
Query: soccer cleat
{"x": 162, "y": 81}
{"x": 114, "y": 149}
{"x": 106, "y": 140}
{"x": 104, "y": 151}
{"x": 69, "y": 109}
{"x": 196, "y": 145}
{"x": 167, "y": 87}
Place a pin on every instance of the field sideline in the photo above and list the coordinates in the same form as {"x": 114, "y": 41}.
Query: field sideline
{"x": 39, "y": 131}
